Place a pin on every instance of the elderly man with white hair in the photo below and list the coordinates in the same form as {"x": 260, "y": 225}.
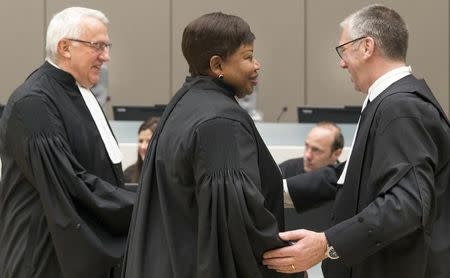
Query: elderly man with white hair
{"x": 63, "y": 209}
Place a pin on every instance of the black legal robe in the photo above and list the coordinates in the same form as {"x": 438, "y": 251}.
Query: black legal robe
{"x": 210, "y": 199}
{"x": 63, "y": 213}
{"x": 392, "y": 214}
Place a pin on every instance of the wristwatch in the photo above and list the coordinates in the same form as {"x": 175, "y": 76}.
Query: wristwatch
{"x": 331, "y": 253}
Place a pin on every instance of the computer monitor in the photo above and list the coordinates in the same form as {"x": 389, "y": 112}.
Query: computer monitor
{"x": 332, "y": 114}
{"x": 137, "y": 113}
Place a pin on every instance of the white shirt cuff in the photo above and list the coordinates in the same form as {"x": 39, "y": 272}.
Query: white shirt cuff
{"x": 287, "y": 198}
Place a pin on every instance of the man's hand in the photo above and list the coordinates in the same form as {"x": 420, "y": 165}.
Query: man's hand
{"x": 309, "y": 250}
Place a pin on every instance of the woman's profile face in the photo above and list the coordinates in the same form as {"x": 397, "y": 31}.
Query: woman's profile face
{"x": 144, "y": 138}
{"x": 240, "y": 70}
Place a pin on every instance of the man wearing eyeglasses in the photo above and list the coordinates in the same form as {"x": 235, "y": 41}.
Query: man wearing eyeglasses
{"x": 392, "y": 210}
{"x": 63, "y": 209}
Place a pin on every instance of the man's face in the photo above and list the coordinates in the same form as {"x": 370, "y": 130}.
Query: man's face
{"x": 318, "y": 149}
{"x": 85, "y": 60}
{"x": 352, "y": 60}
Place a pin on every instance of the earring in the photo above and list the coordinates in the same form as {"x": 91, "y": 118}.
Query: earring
{"x": 220, "y": 76}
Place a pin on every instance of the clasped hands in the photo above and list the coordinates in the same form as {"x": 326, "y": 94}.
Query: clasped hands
{"x": 308, "y": 250}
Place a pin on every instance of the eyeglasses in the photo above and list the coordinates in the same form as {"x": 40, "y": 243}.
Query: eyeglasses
{"x": 98, "y": 46}
{"x": 340, "y": 48}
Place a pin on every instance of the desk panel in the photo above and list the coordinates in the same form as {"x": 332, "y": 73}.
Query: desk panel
{"x": 273, "y": 134}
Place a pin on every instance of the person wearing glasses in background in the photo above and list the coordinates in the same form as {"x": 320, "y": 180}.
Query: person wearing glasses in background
{"x": 63, "y": 210}
{"x": 391, "y": 214}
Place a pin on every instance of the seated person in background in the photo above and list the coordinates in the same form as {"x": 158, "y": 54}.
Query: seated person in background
{"x": 319, "y": 167}
{"x": 145, "y": 133}
{"x": 323, "y": 147}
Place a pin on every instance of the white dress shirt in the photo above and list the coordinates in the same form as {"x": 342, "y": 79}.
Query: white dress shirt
{"x": 108, "y": 139}
{"x": 375, "y": 90}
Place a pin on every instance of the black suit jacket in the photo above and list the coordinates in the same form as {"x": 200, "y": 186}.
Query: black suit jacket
{"x": 310, "y": 190}
{"x": 392, "y": 212}
{"x": 312, "y": 194}
{"x": 292, "y": 167}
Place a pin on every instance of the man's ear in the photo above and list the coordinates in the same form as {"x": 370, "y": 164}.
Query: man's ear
{"x": 215, "y": 65}
{"x": 369, "y": 46}
{"x": 63, "y": 48}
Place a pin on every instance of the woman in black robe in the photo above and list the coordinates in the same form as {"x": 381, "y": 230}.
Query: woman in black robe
{"x": 210, "y": 200}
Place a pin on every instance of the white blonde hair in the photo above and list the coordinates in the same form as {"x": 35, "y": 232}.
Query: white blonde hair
{"x": 67, "y": 24}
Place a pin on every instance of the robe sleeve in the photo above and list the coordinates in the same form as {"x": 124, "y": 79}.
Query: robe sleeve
{"x": 234, "y": 226}
{"x": 312, "y": 189}
{"x": 405, "y": 161}
{"x": 88, "y": 218}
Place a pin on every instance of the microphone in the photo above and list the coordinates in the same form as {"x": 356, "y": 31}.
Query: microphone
{"x": 283, "y": 110}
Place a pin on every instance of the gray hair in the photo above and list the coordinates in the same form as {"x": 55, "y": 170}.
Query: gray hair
{"x": 67, "y": 24}
{"x": 384, "y": 25}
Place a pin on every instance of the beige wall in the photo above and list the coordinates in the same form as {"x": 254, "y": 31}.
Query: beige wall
{"x": 22, "y": 42}
{"x": 428, "y": 54}
{"x": 295, "y": 43}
